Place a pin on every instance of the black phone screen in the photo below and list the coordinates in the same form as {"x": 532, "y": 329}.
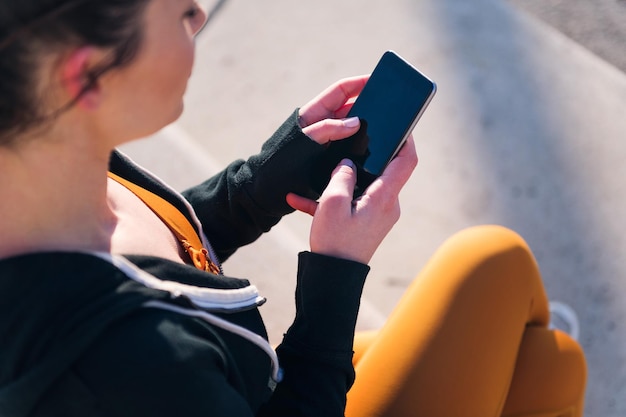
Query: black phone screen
{"x": 388, "y": 106}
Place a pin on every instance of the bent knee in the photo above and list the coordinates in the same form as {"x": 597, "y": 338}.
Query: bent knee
{"x": 493, "y": 253}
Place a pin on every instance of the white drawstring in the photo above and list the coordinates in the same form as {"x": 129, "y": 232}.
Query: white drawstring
{"x": 178, "y": 289}
{"x": 203, "y": 297}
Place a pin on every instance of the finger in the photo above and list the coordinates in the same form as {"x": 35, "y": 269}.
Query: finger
{"x": 302, "y": 204}
{"x": 331, "y": 100}
{"x": 329, "y": 130}
{"x": 343, "y": 111}
{"x": 342, "y": 91}
{"x": 342, "y": 181}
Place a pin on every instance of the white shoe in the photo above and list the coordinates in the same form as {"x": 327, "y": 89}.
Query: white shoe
{"x": 563, "y": 317}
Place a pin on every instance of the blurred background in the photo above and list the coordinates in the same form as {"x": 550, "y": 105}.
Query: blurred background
{"x": 527, "y": 130}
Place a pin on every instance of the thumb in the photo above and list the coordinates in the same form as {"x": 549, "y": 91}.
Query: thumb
{"x": 342, "y": 180}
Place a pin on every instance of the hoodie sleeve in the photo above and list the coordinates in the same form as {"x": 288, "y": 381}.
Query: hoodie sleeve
{"x": 248, "y": 198}
{"x": 316, "y": 352}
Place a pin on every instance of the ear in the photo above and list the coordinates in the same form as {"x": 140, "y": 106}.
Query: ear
{"x": 76, "y": 70}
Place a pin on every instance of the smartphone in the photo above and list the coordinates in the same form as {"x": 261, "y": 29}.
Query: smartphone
{"x": 389, "y": 106}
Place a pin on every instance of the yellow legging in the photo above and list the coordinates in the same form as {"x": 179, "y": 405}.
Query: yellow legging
{"x": 470, "y": 338}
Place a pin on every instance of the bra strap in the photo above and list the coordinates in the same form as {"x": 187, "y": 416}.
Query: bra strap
{"x": 177, "y": 223}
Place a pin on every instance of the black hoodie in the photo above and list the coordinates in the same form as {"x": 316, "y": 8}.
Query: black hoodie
{"x": 82, "y": 336}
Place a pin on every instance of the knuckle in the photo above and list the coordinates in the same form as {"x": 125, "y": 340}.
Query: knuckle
{"x": 321, "y": 131}
{"x": 333, "y": 200}
{"x": 327, "y": 124}
{"x": 391, "y": 209}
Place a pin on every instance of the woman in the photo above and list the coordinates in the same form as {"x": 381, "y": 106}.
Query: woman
{"x": 160, "y": 330}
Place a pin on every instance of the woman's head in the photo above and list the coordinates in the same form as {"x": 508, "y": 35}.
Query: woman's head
{"x": 31, "y": 30}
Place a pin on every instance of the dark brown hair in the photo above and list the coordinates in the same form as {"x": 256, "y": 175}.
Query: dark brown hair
{"x": 28, "y": 28}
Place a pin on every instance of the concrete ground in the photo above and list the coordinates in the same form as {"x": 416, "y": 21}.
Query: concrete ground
{"x": 526, "y": 131}
{"x": 598, "y": 25}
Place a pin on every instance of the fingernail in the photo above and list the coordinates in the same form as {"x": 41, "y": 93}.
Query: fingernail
{"x": 351, "y": 122}
{"x": 347, "y": 162}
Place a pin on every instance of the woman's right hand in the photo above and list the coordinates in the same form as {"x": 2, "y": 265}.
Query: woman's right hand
{"x": 353, "y": 229}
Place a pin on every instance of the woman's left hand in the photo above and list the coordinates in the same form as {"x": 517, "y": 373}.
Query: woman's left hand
{"x": 323, "y": 118}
